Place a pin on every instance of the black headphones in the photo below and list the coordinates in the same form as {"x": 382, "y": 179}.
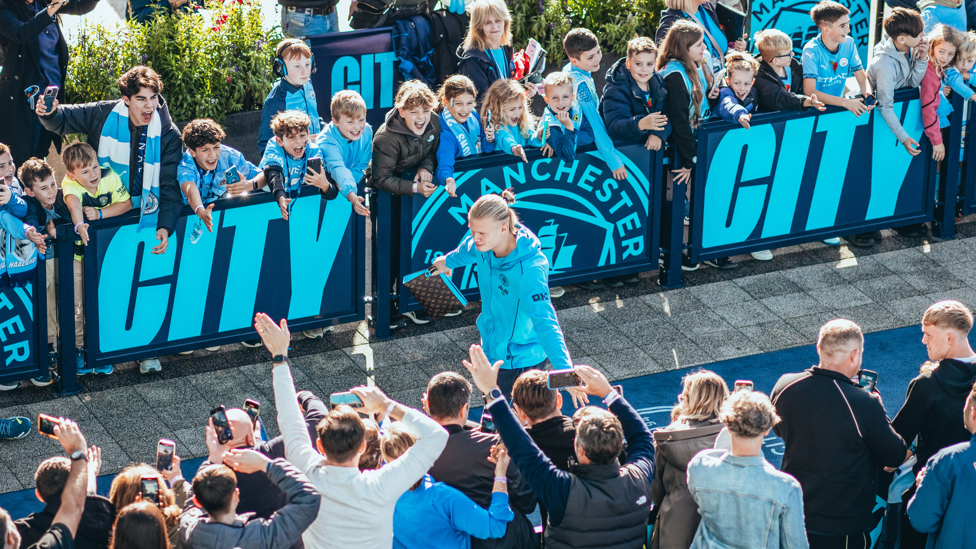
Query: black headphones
{"x": 278, "y": 67}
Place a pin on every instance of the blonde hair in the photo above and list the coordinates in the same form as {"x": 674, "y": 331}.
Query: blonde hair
{"x": 748, "y": 414}
{"x": 347, "y": 103}
{"x": 395, "y": 443}
{"x": 414, "y": 93}
{"x": 556, "y": 79}
{"x": 741, "y": 61}
{"x": 481, "y": 11}
{"x": 78, "y": 155}
{"x": 453, "y": 87}
{"x": 773, "y": 42}
{"x": 839, "y": 336}
{"x": 641, "y": 44}
{"x": 687, "y": 6}
{"x": 128, "y": 484}
{"x": 681, "y": 36}
{"x": 944, "y": 33}
{"x": 496, "y": 208}
{"x": 703, "y": 391}
{"x": 967, "y": 47}
{"x": 949, "y": 315}
{"x": 502, "y": 93}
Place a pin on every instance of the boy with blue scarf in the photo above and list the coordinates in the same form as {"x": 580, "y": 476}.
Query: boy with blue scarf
{"x": 583, "y": 50}
{"x": 346, "y": 145}
{"x": 294, "y": 65}
{"x": 202, "y": 173}
{"x": 461, "y": 131}
{"x": 285, "y": 161}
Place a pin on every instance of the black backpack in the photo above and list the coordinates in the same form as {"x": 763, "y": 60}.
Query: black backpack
{"x": 449, "y": 30}
{"x": 371, "y": 14}
{"x": 413, "y": 46}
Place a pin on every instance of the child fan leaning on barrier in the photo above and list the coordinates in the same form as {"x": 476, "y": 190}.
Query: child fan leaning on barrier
{"x": 512, "y": 118}
{"x": 285, "y": 161}
{"x": 462, "y": 132}
{"x": 347, "y": 146}
{"x": 737, "y": 102}
{"x": 943, "y": 43}
{"x": 831, "y": 58}
{"x": 293, "y": 63}
{"x": 206, "y": 162}
{"x": 634, "y": 96}
{"x": 959, "y": 75}
{"x": 779, "y": 82}
{"x": 405, "y": 146}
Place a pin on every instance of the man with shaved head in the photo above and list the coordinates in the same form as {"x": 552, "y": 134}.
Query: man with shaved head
{"x": 837, "y": 436}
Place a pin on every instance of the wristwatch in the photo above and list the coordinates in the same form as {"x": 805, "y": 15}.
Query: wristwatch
{"x": 79, "y": 454}
{"x": 493, "y": 395}
{"x": 280, "y": 359}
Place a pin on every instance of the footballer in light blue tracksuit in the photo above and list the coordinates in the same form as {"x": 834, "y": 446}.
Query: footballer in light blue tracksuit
{"x": 518, "y": 324}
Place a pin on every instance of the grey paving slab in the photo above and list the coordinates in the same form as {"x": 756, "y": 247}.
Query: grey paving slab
{"x": 886, "y": 288}
{"x": 813, "y": 277}
{"x": 69, "y": 407}
{"x": 935, "y": 279}
{"x": 582, "y": 318}
{"x": 627, "y": 363}
{"x": 631, "y": 310}
{"x": 949, "y": 252}
{"x": 644, "y": 334}
{"x": 966, "y": 296}
{"x": 767, "y": 285}
{"x": 842, "y": 295}
{"x": 909, "y": 309}
{"x": 464, "y": 337}
{"x": 600, "y": 341}
{"x": 855, "y": 269}
{"x": 808, "y": 326}
{"x": 908, "y": 260}
{"x": 400, "y": 377}
{"x": 673, "y": 302}
{"x": 963, "y": 270}
{"x": 193, "y": 440}
{"x": 745, "y": 313}
{"x": 182, "y": 416}
{"x": 719, "y": 293}
{"x": 726, "y": 344}
{"x": 8, "y": 481}
{"x": 776, "y": 335}
{"x": 697, "y": 323}
{"x": 793, "y": 305}
{"x": 676, "y": 354}
{"x": 871, "y": 317}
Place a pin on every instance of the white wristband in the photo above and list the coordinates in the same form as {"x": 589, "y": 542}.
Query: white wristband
{"x": 389, "y": 409}
{"x": 414, "y": 188}
{"x": 197, "y": 209}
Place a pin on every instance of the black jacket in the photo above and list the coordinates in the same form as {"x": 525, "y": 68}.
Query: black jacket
{"x": 88, "y": 118}
{"x": 669, "y": 16}
{"x": 37, "y": 215}
{"x": 476, "y": 65}
{"x": 94, "y": 529}
{"x": 556, "y": 438}
{"x": 933, "y": 409}
{"x": 19, "y": 29}
{"x": 836, "y": 437}
{"x": 396, "y": 150}
{"x": 623, "y": 106}
{"x": 773, "y": 95}
{"x": 677, "y": 107}
{"x": 464, "y": 465}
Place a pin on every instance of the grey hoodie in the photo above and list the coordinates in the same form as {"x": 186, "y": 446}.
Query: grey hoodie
{"x": 890, "y": 70}
{"x": 282, "y": 531}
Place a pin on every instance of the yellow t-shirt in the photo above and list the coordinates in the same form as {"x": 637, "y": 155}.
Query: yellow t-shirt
{"x": 110, "y": 191}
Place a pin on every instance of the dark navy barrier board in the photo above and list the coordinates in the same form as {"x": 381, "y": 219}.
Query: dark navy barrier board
{"x": 23, "y": 328}
{"x": 363, "y": 61}
{"x": 793, "y": 178}
{"x": 591, "y": 226}
{"x": 310, "y": 270}
{"x": 967, "y": 184}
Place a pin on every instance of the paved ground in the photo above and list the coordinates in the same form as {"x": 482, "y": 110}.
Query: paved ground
{"x": 637, "y": 330}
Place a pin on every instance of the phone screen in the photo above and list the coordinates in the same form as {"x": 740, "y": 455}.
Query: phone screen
{"x": 150, "y": 489}
{"x": 487, "y": 423}
{"x": 347, "y": 398}
{"x": 221, "y": 425}
{"x": 563, "y": 378}
{"x": 867, "y": 379}
{"x": 743, "y": 385}
{"x": 45, "y": 425}
{"x": 253, "y": 409}
{"x": 164, "y": 455}
{"x": 619, "y": 389}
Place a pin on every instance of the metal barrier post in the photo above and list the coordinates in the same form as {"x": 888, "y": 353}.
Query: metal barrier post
{"x": 67, "y": 364}
{"x": 672, "y": 228}
{"x": 382, "y": 246}
{"x": 944, "y": 222}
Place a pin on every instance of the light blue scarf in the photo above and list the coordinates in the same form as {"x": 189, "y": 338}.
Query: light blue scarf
{"x": 18, "y": 257}
{"x": 467, "y": 134}
{"x": 113, "y": 152}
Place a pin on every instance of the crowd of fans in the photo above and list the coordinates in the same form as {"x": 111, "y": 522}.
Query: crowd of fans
{"x": 379, "y": 474}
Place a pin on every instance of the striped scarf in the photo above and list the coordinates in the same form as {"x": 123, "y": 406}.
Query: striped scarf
{"x": 18, "y": 258}
{"x": 113, "y": 152}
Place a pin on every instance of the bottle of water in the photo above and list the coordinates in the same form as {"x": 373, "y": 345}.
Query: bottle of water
{"x": 197, "y": 232}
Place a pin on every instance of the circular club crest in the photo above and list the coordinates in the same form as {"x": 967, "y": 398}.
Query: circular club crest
{"x": 103, "y": 200}
{"x": 151, "y": 204}
{"x": 843, "y": 61}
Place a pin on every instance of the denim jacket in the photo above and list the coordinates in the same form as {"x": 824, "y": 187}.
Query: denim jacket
{"x": 745, "y": 502}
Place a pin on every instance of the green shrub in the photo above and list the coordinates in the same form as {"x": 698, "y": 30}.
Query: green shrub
{"x": 613, "y": 21}
{"x": 209, "y": 69}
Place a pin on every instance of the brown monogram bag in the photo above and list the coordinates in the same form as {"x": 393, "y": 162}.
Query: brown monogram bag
{"x": 436, "y": 294}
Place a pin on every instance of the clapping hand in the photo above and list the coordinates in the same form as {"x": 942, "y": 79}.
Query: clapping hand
{"x": 276, "y": 338}
{"x": 484, "y": 373}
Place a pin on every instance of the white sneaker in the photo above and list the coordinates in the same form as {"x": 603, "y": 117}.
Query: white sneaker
{"x": 9, "y": 387}
{"x": 212, "y": 349}
{"x": 763, "y": 255}
{"x": 186, "y": 353}
{"x": 150, "y": 365}
{"x": 832, "y": 241}
{"x": 455, "y": 313}
{"x": 556, "y": 292}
